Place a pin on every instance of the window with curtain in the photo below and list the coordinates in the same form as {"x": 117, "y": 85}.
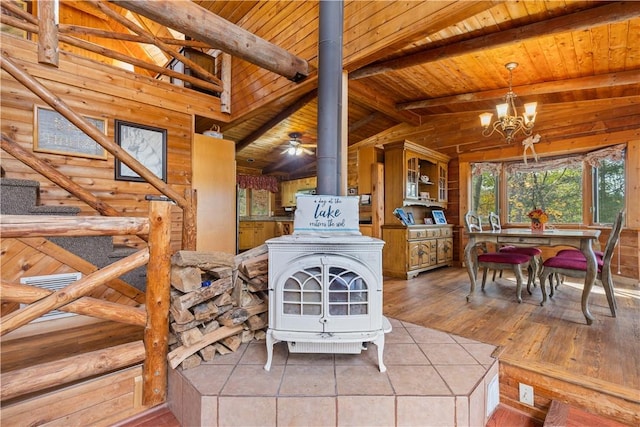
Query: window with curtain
{"x": 554, "y": 185}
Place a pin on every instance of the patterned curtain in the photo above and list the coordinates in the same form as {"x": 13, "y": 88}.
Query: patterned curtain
{"x": 258, "y": 182}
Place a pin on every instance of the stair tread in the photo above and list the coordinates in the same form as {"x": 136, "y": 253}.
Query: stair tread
{"x": 563, "y": 415}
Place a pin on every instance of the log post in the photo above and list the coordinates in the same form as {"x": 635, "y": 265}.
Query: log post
{"x": 48, "y": 32}
{"x": 156, "y": 332}
{"x": 189, "y": 221}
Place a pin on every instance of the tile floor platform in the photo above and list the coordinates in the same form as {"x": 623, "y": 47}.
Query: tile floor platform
{"x": 432, "y": 379}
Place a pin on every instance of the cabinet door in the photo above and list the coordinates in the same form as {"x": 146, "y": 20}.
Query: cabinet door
{"x": 288, "y": 193}
{"x": 415, "y": 255}
{"x": 245, "y": 236}
{"x": 445, "y": 250}
{"x": 442, "y": 182}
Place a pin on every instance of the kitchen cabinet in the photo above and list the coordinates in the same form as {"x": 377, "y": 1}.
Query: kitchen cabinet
{"x": 411, "y": 250}
{"x": 289, "y": 189}
{"x": 255, "y": 233}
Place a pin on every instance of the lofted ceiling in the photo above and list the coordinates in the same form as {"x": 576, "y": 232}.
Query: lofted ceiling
{"x": 421, "y": 70}
{"x": 425, "y": 70}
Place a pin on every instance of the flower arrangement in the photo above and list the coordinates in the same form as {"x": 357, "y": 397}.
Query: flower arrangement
{"x": 538, "y": 215}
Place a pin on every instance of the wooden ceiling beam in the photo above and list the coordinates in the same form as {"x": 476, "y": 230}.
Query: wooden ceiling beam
{"x": 582, "y": 83}
{"x": 583, "y": 20}
{"x": 200, "y": 24}
{"x": 366, "y": 96}
{"x": 298, "y": 104}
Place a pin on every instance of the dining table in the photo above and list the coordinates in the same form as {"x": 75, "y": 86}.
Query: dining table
{"x": 580, "y": 239}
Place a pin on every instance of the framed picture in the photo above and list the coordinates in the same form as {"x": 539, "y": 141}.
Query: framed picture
{"x": 147, "y": 144}
{"x": 428, "y": 221}
{"x": 438, "y": 217}
{"x": 53, "y": 133}
{"x": 5, "y": 28}
{"x": 401, "y": 215}
{"x": 410, "y": 218}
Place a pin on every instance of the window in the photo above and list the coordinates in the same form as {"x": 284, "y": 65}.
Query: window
{"x": 555, "y": 185}
{"x": 557, "y": 191}
{"x": 608, "y": 190}
{"x": 485, "y": 194}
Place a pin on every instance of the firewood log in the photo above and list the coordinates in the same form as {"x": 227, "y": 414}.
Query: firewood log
{"x": 203, "y": 260}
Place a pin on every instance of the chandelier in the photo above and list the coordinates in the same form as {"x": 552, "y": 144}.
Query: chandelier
{"x": 509, "y": 123}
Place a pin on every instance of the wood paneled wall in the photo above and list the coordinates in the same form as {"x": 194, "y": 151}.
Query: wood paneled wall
{"x": 102, "y": 91}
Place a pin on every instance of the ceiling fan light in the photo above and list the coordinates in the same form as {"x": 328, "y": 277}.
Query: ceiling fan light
{"x": 291, "y": 151}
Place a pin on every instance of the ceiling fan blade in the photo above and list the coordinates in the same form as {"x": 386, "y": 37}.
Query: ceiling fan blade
{"x": 307, "y": 151}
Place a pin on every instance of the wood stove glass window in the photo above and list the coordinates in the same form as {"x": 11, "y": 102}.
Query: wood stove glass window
{"x": 348, "y": 293}
{"x": 302, "y": 293}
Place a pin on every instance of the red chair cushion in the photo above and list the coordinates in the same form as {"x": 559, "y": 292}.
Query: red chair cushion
{"x": 577, "y": 253}
{"x": 524, "y": 251}
{"x": 570, "y": 263}
{"x": 504, "y": 258}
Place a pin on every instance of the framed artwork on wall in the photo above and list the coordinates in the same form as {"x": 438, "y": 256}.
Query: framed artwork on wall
{"x": 146, "y": 144}
{"x": 438, "y": 217}
{"x": 53, "y": 133}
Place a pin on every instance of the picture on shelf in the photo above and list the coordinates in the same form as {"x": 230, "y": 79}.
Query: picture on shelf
{"x": 428, "y": 221}
{"x": 438, "y": 217}
{"x": 401, "y": 215}
{"x": 412, "y": 221}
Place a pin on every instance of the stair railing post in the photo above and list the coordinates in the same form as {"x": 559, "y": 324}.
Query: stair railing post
{"x": 156, "y": 333}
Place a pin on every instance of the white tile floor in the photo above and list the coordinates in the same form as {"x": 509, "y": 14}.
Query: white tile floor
{"x": 432, "y": 379}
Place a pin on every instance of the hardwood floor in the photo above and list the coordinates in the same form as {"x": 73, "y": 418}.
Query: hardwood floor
{"x": 553, "y": 341}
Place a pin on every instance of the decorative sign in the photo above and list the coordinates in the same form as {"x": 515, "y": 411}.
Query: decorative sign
{"x": 53, "y": 133}
{"x": 331, "y": 214}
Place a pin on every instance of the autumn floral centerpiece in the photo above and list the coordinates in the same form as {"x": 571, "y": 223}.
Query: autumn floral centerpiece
{"x": 538, "y": 220}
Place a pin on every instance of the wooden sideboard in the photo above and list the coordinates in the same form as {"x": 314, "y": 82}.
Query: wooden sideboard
{"x": 414, "y": 249}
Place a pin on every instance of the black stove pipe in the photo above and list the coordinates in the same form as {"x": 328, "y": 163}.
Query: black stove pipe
{"x": 330, "y": 97}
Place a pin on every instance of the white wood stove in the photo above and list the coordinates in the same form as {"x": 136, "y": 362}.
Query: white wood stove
{"x": 325, "y": 294}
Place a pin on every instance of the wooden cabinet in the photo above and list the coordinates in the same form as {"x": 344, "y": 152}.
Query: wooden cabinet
{"x": 412, "y": 250}
{"x": 255, "y": 233}
{"x": 288, "y": 189}
{"x": 216, "y": 193}
{"x": 414, "y": 176}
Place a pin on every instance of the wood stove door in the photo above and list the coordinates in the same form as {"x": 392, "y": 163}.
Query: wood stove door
{"x": 327, "y": 293}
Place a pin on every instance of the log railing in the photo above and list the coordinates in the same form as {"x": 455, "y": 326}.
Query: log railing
{"x": 152, "y": 351}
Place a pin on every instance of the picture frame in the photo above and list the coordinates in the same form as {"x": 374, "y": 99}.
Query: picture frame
{"x": 412, "y": 221}
{"x": 401, "y": 215}
{"x": 438, "y": 217}
{"x": 147, "y": 144}
{"x": 54, "y": 134}
{"x": 428, "y": 221}
{"x": 8, "y": 29}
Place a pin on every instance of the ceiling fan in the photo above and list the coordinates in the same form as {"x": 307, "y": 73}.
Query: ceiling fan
{"x": 295, "y": 147}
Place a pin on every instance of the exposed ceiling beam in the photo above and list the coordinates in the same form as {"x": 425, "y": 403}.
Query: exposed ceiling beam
{"x": 366, "y": 96}
{"x": 584, "y": 20}
{"x": 582, "y": 83}
{"x": 440, "y": 15}
{"x": 298, "y": 104}
{"x": 200, "y": 24}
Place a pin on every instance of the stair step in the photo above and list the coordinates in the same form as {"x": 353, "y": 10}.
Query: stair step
{"x": 563, "y": 415}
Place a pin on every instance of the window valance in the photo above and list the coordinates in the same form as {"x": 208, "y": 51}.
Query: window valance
{"x": 592, "y": 158}
{"x": 258, "y": 182}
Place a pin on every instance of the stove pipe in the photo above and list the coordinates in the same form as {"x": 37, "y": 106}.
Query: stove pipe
{"x": 330, "y": 97}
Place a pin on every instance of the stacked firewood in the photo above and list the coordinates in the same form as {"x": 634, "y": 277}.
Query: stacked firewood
{"x": 218, "y": 302}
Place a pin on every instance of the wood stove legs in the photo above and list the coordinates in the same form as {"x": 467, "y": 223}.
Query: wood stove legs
{"x": 270, "y": 342}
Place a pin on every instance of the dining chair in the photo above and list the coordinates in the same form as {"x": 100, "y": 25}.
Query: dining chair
{"x": 534, "y": 253}
{"x": 499, "y": 260}
{"x": 576, "y": 267}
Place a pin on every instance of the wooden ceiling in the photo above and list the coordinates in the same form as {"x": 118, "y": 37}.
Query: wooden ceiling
{"x": 423, "y": 70}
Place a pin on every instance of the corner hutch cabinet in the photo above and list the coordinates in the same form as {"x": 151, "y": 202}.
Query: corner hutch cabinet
{"x": 415, "y": 180}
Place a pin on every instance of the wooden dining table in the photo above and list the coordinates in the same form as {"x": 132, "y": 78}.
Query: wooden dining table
{"x": 580, "y": 239}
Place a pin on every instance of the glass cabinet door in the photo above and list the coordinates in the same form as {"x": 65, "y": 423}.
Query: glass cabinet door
{"x": 413, "y": 176}
{"x": 442, "y": 182}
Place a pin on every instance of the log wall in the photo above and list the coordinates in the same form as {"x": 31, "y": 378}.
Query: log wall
{"x": 102, "y": 91}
